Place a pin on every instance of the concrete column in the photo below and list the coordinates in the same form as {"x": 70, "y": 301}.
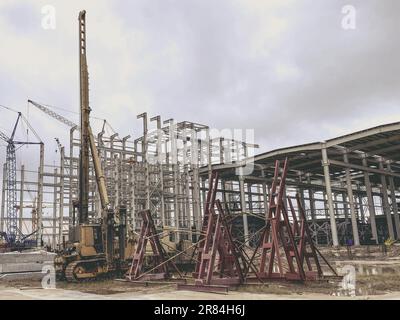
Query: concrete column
{"x": 350, "y": 195}
{"x": 385, "y": 202}
{"x": 21, "y": 198}
{"x": 325, "y": 164}
{"x": 371, "y": 205}
{"x": 243, "y": 205}
{"x": 394, "y": 203}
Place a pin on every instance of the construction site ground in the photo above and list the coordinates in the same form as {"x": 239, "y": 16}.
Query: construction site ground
{"x": 377, "y": 277}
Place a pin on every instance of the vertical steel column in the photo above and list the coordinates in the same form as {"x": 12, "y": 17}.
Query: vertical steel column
{"x": 350, "y": 195}
{"x": 71, "y": 177}
{"x": 360, "y": 203}
{"x": 160, "y": 162}
{"x": 311, "y": 199}
{"x": 371, "y": 205}
{"x": 385, "y": 201}
{"x": 250, "y": 197}
{"x": 3, "y": 197}
{"x": 394, "y": 202}
{"x": 221, "y": 150}
{"x": 144, "y": 158}
{"x": 61, "y": 204}
{"x": 265, "y": 198}
{"x": 300, "y": 190}
{"x": 117, "y": 179}
{"x": 243, "y": 205}
{"x": 40, "y": 197}
{"x": 325, "y": 164}
{"x": 132, "y": 218}
{"x": 196, "y": 162}
{"x": 21, "y": 199}
{"x": 54, "y": 220}
{"x": 209, "y": 151}
{"x": 186, "y": 216}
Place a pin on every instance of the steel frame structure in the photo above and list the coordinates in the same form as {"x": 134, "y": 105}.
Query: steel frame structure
{"x": 143, "y": 173}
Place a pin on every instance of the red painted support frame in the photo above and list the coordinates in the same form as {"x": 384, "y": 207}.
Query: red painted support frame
{"x": 148, "y": 232}
{"x": 293, "y": 236}
{"x": 216, "y": 239}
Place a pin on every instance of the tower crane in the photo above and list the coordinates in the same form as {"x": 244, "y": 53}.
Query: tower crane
{"x": 11, "y": 219}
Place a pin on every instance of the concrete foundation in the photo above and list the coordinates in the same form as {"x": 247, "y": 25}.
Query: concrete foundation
{"x": 19, "y": 262}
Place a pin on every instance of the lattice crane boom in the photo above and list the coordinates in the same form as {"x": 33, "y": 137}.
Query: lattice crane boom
{"x": 53, "y": 114}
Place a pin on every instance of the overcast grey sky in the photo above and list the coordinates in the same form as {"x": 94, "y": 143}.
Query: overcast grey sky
{"x": 285, "y": 68}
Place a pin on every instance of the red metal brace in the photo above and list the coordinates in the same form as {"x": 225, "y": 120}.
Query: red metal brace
{"x": 148, "y": 232}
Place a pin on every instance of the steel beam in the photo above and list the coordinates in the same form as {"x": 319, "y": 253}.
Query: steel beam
{"x": 363, "y": 168}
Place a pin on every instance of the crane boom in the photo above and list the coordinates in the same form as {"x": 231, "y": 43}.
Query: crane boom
{"x": 93, "y": 148}
{"x": 53, "y": 114}
{"x": 4, "y": 137}
{"x": 100, "y": 178}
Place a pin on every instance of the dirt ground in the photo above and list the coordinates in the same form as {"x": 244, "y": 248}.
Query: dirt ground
{"x": 375, "y": 278}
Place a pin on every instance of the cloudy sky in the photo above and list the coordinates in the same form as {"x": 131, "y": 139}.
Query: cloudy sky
{"x": 285, "y": 68}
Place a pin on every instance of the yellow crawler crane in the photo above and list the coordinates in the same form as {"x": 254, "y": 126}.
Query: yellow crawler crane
{"x": 94, "y": 249}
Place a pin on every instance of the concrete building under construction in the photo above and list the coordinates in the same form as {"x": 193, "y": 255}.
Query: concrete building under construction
{"x": 130, "y": 206}
{"x": 349, "y": 185}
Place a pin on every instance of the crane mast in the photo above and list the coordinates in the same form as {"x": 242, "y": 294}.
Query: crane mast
{"x": 84, "y": 123}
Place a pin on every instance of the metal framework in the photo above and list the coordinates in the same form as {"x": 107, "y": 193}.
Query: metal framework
{"x": 348, "y": 186}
